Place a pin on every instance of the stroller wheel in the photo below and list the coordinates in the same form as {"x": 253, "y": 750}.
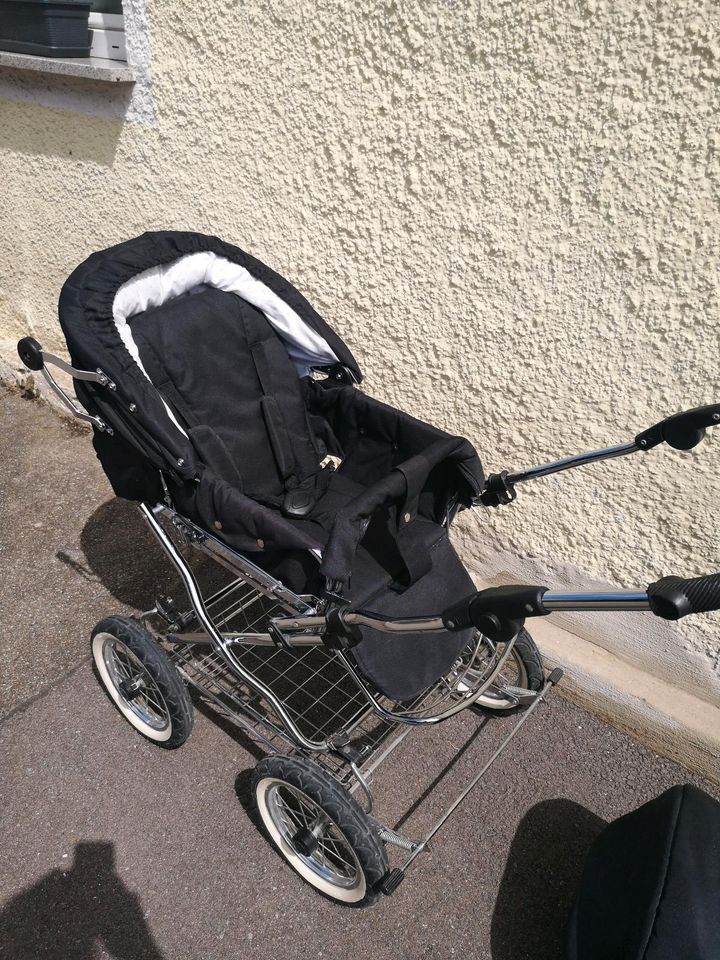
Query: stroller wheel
{"x": 143, "y": 684}
{"x": 319, "y": 829}
{"x": 523, "y": 668}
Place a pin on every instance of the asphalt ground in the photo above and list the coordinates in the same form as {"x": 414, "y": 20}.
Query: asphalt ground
{"x": 112, "y": 847}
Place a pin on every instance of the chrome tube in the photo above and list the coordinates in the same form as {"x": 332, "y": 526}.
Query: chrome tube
{"x": 250, "y": 639}
{"x": 621, "y": 600}
{"x": 221, "y": 644}
{"x": 478, "y": 776}
{"x": 74, "y": 409}
{"x": 557, "y": 466}
{"x": 94, "y": 377}
{"x": 235, "y": 562}
{"x": 357, "y": 618}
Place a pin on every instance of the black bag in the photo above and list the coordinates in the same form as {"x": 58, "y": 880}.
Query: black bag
{"x": 651, "y": 885}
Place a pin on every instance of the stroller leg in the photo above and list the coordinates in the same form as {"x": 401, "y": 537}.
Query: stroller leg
{"x": 392, "y": 880}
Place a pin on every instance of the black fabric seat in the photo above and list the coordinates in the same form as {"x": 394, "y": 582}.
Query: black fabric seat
{"x": 212, "y": 354}
{"x": 235, "y": 391}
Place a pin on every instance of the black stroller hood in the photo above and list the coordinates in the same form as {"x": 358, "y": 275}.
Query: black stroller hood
{"x": 88, "y": 298}
{"x": 96, "y": 331}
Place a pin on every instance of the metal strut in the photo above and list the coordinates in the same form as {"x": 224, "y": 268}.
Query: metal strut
{"x": 393, "y": 878}
{"x": 221, "y": 643}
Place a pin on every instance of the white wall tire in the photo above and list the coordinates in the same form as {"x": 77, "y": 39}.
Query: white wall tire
{"x": 523, "y": 668}
{"x": 350, "y": 859}
{"x": 123, "y": 652}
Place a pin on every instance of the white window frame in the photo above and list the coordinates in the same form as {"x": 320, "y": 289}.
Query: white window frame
{"x": 108, "y": 36}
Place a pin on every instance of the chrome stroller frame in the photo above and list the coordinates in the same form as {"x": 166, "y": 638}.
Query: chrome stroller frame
{"x": 268, "y": 616}
{"x": 253, "y": 625}
{"x": 259, "y": 653}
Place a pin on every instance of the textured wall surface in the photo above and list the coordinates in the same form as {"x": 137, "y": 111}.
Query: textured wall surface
{"x": 510, "y": 211}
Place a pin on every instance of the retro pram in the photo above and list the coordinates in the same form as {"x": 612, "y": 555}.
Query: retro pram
{"x": 337, "y": 615}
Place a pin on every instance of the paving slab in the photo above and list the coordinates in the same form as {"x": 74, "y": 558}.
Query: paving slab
{"x": 113, "y": 848}
{"x": 70, "y": 553}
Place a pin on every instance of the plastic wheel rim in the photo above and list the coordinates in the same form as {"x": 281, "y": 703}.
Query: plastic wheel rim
{"x": 116, "y": 662}
{"x": 333, "y": 868}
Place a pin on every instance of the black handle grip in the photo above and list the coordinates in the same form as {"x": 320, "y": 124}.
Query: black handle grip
{"x": 682, "y": 431}
{"x": 511, "y": 603}
{"x": 30, "y": 352}
{"x": 672, "y": 597}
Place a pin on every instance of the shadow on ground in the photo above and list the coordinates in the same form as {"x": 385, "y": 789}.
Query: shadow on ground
{"x": 67, "y": 913}
{"x": 123, "y": 555}
{"x": 120, "y": 552}
{"x": 541, "y": 875}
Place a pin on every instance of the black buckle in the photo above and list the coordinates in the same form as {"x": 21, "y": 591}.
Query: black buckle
{"x": 340, "y": 635}
{"x": 338, "y": 372}
{"x": 498, "y": 490}
{"x": 299, "y": 501}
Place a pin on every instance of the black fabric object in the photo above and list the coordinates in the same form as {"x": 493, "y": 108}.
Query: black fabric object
{"x": 249, "y": 431}
{"x": 421, "y": 470}
{"x": 85, "y": 310}
{"x": 403, "y": 665}
{"x": 650, "y": 889}
{"x": 239, "y": 392}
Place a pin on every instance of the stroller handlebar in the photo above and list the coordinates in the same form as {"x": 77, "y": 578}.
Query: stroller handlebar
{"x": 500, "y": 611}
{"x": 682, "y": 431}
{"x": 672, "y": 597}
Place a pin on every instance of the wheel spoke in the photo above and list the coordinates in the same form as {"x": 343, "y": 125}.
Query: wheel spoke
{"x": 121, "y": 666}
{"x": 153, "y": 699}
{"x": 304, "y": 814}
{"x": 333, "y": 858}
{"x": 124, "y": 666}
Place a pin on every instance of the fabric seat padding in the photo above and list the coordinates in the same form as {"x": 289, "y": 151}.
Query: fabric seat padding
{"x": 250, "y": 429}
{"x": 403, "y": 665}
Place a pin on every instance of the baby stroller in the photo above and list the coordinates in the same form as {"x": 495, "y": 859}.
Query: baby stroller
{"x": 334, "y": 615}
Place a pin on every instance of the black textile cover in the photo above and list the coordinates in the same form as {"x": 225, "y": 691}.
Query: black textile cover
{"x": 404, "y": 665}
{"x": 256, "y": 430}
{"x": 397, "y": 462}
{"x": 651, "y": 885}
{"x": 217, "y": 394}
{"x": 85, "y": 311}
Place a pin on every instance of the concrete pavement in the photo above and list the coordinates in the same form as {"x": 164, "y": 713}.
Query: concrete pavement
{"x": 114, "y": 848}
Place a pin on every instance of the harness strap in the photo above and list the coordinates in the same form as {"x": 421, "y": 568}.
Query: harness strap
{"x": 297, "y": 459}
{"x": 408, "y": 538}
{"x": 164, "y": 385}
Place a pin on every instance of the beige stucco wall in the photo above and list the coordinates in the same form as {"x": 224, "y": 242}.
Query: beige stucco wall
{"x": 510, "y": 211}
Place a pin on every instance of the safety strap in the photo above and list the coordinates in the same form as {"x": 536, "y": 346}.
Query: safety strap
{"x": 409, "y": 539}
{"x": 294, "y": 453}
{"x": 164, "y": 385}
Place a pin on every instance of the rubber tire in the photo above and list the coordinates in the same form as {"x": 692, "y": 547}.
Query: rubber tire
{"x": 528, "y": 652}
{"x": 340, "y": 806}
{"x": 155, "y": 661}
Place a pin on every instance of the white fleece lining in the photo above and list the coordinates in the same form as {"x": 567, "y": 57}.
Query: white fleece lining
{"x": 159, "y": 284}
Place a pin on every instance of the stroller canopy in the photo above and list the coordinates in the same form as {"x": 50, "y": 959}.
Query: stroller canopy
{"x": 212, "y": 358}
